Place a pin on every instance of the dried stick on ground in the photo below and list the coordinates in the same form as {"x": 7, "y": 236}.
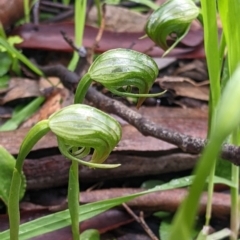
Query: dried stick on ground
{"x": 145, "y": 126}
{"x": 141, "y": 221}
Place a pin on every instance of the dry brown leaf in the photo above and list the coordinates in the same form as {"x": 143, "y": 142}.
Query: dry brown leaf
{"x": 185, "y": 87}
{"x": 21, "y": 88}
{"x": 50, "y": 82}
{"x": 50, "y": 106}
{"x": 119, "y": 19}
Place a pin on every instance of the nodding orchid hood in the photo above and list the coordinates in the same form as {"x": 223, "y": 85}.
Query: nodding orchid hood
{"x": 119, "y": 68}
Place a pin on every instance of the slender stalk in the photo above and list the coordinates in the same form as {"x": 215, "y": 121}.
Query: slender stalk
{"x": 73, "y": 198}
{"x": 73, "y": 187}
{"x": 234, "y": 194}
{"x": 213, "y": 61}
{"x": 33, "y": 136}
{"x": 13, "y": 209}
{"x": 82, "y": 88}
{"x": 26, "y": 11}
{"x": 235, "y": 203}
{"x": 79, "y": 21}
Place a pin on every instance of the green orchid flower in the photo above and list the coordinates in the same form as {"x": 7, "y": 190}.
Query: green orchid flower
{"x": 120, "y": 68}
{"x": 78, "y": 128}
{"x": 174, "y": 17}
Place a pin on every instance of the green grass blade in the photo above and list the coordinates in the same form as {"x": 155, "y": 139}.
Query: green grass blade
{"x": 229, "y": 14}
{"x": 22, "y": 115}
{"x": 227, "y": 119}
{"x": 62, "y": 219}
{"x": 15, "y": 53}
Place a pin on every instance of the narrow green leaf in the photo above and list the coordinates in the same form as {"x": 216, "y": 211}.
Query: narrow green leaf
{"x": 62, "y": 219}
{"x": 15, "y": 53}
{"x": 22, "y": 115}
{"x": 227, "y": 119}
{"x": 229, "y": 13}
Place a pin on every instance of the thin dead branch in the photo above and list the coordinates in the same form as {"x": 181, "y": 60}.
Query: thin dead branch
{"x": 187, "y": 143}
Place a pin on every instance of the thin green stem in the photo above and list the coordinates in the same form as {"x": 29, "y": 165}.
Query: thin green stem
{"x": 210, "y": 195}
{"x": 73, "y": 188}
{"x": 26, "y": 11}
{"x": 13, "y": 206}
{"x": 234, "y": 194}
{"x": 33, "y": 136}
{"x": 82, "y": 88}
{"x": 79, "y": 21}
{"x": 235, "y": 203}
{"x": 73, "y": 198}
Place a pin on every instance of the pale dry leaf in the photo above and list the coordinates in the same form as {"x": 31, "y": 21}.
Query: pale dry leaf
{"x": 185, "y": 87}
{"x": 21, "y": 88}
{"x": 119, "y": 19}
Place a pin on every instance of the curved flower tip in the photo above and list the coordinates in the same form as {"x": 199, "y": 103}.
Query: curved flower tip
{"x": 172, "y": 17}
{"x": 119, "y": 68}
{"x": 80, "y": 128}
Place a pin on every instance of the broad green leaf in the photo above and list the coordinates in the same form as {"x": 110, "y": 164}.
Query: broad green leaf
{"x": 7, "y": 163}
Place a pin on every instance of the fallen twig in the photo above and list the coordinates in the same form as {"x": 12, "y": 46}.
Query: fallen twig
{"x": 140, "y": 220}
{"x": 145, "y": 126}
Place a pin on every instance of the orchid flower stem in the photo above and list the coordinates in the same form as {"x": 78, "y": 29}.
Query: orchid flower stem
{"x": 13, "y": 209}
{"x": 73, "y": 198}
{"x": 33, "y": 136}
{"x": 26, "y": 11}
{"x": 210, "y": 195}
{"x": 73, "y": 188}
{"x": 82, "y": 88}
